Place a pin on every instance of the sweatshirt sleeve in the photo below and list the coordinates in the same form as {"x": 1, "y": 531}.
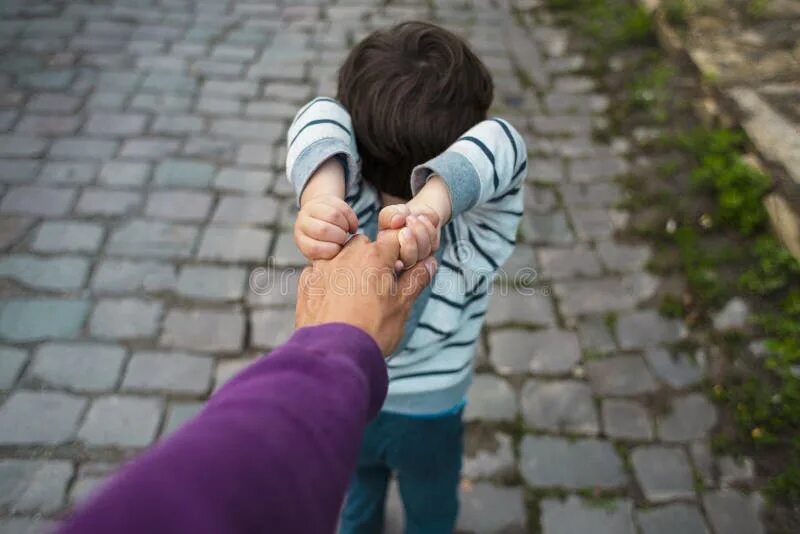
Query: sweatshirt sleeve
{"x": 484, "y": 171}
{"x": 272, "y": 451}
{"x": 322, "y": 129}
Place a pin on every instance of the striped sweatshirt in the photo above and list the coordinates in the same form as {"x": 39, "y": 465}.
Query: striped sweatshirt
{"x": 484, "y": 170}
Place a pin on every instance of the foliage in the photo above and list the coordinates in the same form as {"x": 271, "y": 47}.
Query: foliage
{"x": 758, "y": 9}
{"x": 772, "y": 270}
{"x": 720, "y": 169}
{"x": 676, "y": 11}
{"x": 610, "y": 24}
{"x": 765, "y": 403}
{"x": 672, "y": 307}
{"x": 786, "y": 484}
{"x": 700, "y": 268}
{"x": 650, "y": 91}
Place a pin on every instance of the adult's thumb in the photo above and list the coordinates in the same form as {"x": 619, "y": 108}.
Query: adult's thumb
{"x": 414, "y": 280}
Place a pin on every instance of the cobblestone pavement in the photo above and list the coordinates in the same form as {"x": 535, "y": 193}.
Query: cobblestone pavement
{"x": 141, "y": 170}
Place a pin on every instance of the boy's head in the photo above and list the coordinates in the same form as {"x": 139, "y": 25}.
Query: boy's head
{"x": 411, "y": 91}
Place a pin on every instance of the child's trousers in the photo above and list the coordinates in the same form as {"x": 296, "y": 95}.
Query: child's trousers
{"x": 425, "y": 455}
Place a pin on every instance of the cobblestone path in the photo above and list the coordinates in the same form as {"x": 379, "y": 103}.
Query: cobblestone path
{"x": 142, "y": 186}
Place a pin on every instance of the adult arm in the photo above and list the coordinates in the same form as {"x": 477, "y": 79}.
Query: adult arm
{"x": 272, "y": 451}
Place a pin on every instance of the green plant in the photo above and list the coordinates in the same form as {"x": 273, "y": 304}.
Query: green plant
{"x": 758, "y": 9}
{"x": 738, "y": 186}
{"x": 786, "y": 485}
{"x": 610, "y": 24}
{"x": 676, "y": 11}
{"x": 672, "y": 307}
{"x": 702, "y": 274}
{"x": 772, "y": 270}
{"x": 650, "y": 91}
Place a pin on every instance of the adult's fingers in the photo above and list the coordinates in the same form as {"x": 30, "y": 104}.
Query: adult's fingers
{"x": 388, "y": 246}
{"x": 422, "y": 235}
{"x": 409, "y": 250}
{"x": 414, "y": 280}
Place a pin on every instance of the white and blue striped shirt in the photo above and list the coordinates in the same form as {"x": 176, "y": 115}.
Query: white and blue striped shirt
{"x": 484, "y": 171}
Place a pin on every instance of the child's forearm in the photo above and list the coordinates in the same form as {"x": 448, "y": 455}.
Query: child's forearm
{"x": 328, "y": 180}
{"x": 436, "y": 196}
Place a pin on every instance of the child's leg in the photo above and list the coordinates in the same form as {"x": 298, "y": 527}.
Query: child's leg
{"x": 364, "y": 505}
{"x": 428, "y": 473}
{"x": 363, "y": 510}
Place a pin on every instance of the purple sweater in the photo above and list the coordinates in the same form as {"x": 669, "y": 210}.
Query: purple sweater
{"x": 272, "y": 451}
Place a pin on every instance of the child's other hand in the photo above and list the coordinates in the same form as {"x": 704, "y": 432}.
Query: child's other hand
{"x": 322, "y": 226}
{"x": 419, "y": 236}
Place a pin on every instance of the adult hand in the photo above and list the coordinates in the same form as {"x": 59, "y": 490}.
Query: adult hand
{"x": 359, "y": 287}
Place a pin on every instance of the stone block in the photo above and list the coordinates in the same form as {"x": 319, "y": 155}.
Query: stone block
{"x": 62, "y": 236}
{"x": 204, "y": 330}
{"x": 663, "y": 473}
{"x": 77, "y": 366}
{"x": 33, "y": 486}
{"x": 690, "y": 418}
{"x": 491, "y": 399}
{"x": 153, "y": 239}
{"x": 12, "y": 360}
{"x": 623, "y": 419}
{"x": 119, "y": 421}
{"x": 122, "y": 276}
{"x": 40, "y": 418}
{"x": 547, "y": 462}
{"x": 172, "y": 372}
{"x": 621, "y": 376}
{"x": 24, "y": 320}
{"x": 559, "y": 406}
{"x": 125, "y": 319}
{"x": 575, "y": 515}
{"x": 37, "y": 201}
{"x": 232, "y": 244}
{"x": 179, "y": 205}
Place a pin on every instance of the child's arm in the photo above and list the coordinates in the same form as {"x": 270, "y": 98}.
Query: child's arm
{"x": 483, "y": 172}
{"x": 324, "y": 220}
{"x": 321, "y": 130}
{"x": 322, "y": 165}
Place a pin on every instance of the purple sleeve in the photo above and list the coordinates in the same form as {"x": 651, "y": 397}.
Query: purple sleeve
{"x": 272, "y": 451}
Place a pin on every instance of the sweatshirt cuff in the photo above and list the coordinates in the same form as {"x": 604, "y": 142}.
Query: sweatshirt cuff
{"x": 458, "y": 173}
{"x": 351, "y": 341}
{"x": 317, "y": 153}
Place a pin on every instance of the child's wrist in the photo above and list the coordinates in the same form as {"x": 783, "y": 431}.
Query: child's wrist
{"x": 327, "y": 181}
{"x": 434, "y": 195}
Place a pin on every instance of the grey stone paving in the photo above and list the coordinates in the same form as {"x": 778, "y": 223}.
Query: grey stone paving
{"x": 141, "y": 186}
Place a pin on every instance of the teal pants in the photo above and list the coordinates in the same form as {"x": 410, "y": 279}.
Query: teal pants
{"x": 425, "y": 455}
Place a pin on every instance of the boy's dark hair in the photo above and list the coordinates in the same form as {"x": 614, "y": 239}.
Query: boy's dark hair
{"x": 411, "y": 91}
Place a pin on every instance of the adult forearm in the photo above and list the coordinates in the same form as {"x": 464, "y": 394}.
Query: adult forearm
{"x": 272, "y": 451}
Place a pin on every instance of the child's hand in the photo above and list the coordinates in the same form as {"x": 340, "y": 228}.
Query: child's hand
{"x": 322, "y": 226}
{"x": 419, "y": 236}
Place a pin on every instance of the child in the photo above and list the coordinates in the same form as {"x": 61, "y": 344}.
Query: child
{"x": 407, "y": 137}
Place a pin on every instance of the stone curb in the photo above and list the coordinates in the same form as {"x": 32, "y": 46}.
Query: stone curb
{"x": 777, "y": 147}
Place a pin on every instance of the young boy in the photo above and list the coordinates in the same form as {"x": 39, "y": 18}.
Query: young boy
{"x": 407, "y": 137}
